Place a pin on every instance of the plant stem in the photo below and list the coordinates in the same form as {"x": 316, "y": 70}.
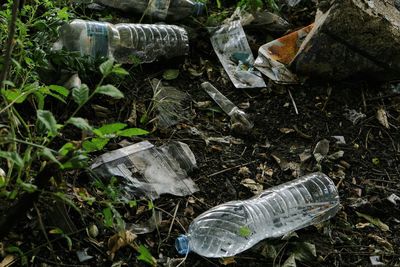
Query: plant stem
{"x": 9, "y": 45}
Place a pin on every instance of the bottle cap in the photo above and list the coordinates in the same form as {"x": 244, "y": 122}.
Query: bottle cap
{"x": 182, "y": 245}
{"x": 198, "y": 8}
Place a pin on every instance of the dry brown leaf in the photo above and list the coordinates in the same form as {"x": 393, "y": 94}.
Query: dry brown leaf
{"x": 244, "y": 171}
{"x": 382, "y": 117}
{"x": 227, "y": 261}
{"x": 7, "y": 261}
{"x": 383, "y": 242}
{"x": 286, "y": 130}
{"x": 254, "y": 187}
{"x": 118, "y": 241}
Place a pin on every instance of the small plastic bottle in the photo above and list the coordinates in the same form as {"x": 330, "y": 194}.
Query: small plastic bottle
{"x": 159, "y": 9}
{"x": 238, "y": 116}
{"x": 124, "y": 42}
{"x": 235, "y": 226}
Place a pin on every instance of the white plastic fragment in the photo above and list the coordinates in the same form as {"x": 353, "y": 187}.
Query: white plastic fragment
{"x": 143, "y": 169}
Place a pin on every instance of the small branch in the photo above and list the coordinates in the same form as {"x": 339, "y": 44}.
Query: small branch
{"x": 232, "y": 168}
{"x": 294, "y": 103}
{"x": 9, "y": 44}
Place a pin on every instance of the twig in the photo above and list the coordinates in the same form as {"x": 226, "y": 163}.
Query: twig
{"x": 294, "y": 103}
{"x": 229, "y": 169}
{"x": 173, "y": 220}
{"x": 41, "y": 225}
{"x": 9, "y": 45}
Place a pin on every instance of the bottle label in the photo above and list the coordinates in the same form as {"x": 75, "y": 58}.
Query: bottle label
{"x": 158, "y": 8}
{"x": 98, "y": 38}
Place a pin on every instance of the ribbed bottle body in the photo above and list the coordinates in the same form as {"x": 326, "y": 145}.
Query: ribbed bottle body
{"x": 233, "y": 227}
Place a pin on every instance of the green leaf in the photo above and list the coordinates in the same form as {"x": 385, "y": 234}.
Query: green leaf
{"x": 49, "y": 155}
{"x": 56, "y": 231}
{"x": 69, "y": 242}
{"x": 150, "y": 205}
{"x": 14, "y": 95}
{"x": 62, "y": 14}
{"x": 132, "y": 203}
{"x": 9, "y": 83}
{"x": 290, "y": 262}
{"x": 48, "y": 120}
{"x": 77, "y": 162}
{"x": 81, "y": 94}
{"x": 63, "y": 197}
{"x": 132, "y": 132}
{"x": 245, "y": 231}
{"x": 80, "y": 123}
{"x": 13, "y": 156}
{"x": 375, "y": 221}
{"x": 95, "y": 144}
{"x": 145, "y": 255}
{"x": 109, "y": 90}
{"x": 106, "y": 67}
{"x": 305, "y": 252}
{"x": 28, "y": 187}
{"x": 119, "y": 71}
{"x": 67, "y": 147}
{"x": 171, "y": 74}
{"x": 110, "y": 128}
{"x": 61, "y": 90}
{"x": 108, "y": 217}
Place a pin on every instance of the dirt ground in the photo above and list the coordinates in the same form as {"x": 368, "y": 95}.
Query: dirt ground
{"x": 366, "y": 172}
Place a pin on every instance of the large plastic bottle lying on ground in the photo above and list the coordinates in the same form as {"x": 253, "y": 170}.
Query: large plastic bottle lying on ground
{"x": 235, "y": 226}
{"x": 126, "y": 43}
{"x": 160, "y": 9}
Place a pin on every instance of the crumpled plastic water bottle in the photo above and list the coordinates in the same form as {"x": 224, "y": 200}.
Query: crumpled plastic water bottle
{"x": 235, "y": 226}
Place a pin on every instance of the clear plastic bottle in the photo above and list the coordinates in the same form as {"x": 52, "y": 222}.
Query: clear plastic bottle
{"x": 159, "y": 9}
{"x": 124, "y": 42}
{"x": 237, "y": 115}
{"x": 235, "y": 226}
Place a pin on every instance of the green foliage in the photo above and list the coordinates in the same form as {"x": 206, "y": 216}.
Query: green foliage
{"x": 251, "y": 4}
{"x": 58, "y": 231}
{"x": 145, "y": 255}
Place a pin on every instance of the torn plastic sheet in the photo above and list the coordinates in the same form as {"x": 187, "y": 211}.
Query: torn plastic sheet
{"x": 146, "y": 170}
{"x": 268, "y": 21}
{"x": 169, "y": 103}
{"x": 148, "y": 226}
{"x": 274, "y": 57}
{"x": 231, "y": 46}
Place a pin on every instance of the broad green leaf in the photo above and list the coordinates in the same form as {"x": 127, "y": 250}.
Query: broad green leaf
{"x": 67, "y": 147}
{"x": 13, "y": 156}
{"x": 108, "y": 217}
{"x": 106, "y": 67}
{"x": 132, "y": 203}
{"x": 81, "y": 94}
{"x": 80, "y": 123}
{"x": 145, "y": 255}
{"x": 49, "y": 155}
{"x": 110, "y": 128}
{"x": 57, "y": 96}
{"x": 14, "y": 95}
{"x": 119, "y": 71}
{"x": 132, "y": 132}
{"x": 62, "y": 14}
{"x": 375, "y": 221}
{"x": 76, "y": 162}
{"x": 245, "y": 231}
{"x": 95, "y": 144}
{"x": 61, "y": 90}
{"x": 39, "y": 99}
{"x": 290, "y": 262}
{"x": 171, "y": 74}
{"x": 109, "y": 90}
{"x": 48, "y": 120}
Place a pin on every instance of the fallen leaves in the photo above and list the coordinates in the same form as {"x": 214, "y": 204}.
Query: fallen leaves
{"x": 375, "y": 221}
{"x": 382, "y": 117}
